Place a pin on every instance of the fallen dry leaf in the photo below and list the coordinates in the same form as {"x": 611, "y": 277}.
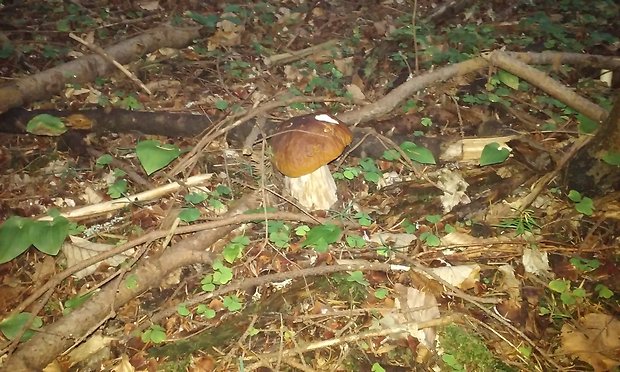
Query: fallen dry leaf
{"x": 79, "y": 249}
{"x": 595, "y": 340}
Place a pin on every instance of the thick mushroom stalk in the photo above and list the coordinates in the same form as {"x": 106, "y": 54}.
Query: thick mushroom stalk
{"x": 301, "y": 151}
{"x": 315, "y": 191}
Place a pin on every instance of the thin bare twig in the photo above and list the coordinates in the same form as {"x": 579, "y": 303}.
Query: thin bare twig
{"x": 102, "y": 53}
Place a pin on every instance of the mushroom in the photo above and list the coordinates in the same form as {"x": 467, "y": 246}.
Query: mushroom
{"x": 301, "y": 151}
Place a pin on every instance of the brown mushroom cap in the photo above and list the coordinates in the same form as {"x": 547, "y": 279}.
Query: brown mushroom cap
{"x": 306, "y": 143}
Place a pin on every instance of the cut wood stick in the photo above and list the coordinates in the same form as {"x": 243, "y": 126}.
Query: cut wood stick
{"x": 113, "y": 205}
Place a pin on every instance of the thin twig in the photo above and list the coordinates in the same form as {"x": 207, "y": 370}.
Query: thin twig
{"x": 102, "y": 53}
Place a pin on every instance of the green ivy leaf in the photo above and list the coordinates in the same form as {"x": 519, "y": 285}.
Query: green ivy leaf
{"x": 204, "y": 310}
{"x": 418, "y": 153}
{"x": 376, "y": 367}
{"x": 183, "y": 310}
{"x": 104, "y": 160}
{"x": 221, "y": 105}
{"x": 223, "y": 190}
{"x": 196, "y": 197}
{"x": 559, "y": 285}
{"x": 14, "y": 237}
{"x": 10, "y": 327}
{"x": 372, "y": 177}
{"x": 48, "y": 236}
{"x": 433, "y": 218}
{"x": 234, "y": 248}
{"x": 208, "y": 20}
{"x": 585, "y": 206}
{"x": 302, "y": 230}
{"x": 154, "y": 155}
{"x": 320, "y": 237}
{"x": 381, "y": 293}
{"x": 574, "y": 195}
{"x": 131, "y": 281}
{"x": 508, "y": 79}
{"x": 432, "y": 240}
{"x": 586, "y": 125}
{"x": 391, "y": 155}
{"x": 355, "y": 241}
{"x": 493, "y": 153}
{"x": 155, "y": 334}
{"x": 46, "y": 125}
{"x": 603, "y": 291}
{"x": 358, "y": 277}
{"x": 76, "y": 301}
{"x": 189, "y": 214}
{"x": 426, "y": 121}
{"x": 612, "y": 158}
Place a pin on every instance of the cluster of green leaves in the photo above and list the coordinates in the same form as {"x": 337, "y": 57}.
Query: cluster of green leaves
{"x": 550, "y": 106}
{"x": 191, "y": 213}
{"x": 76, "y": 19}
{"x": 351, "y": 285}
{"x": 279, "y": 233}
{"x": 465, "y": 351}
{"x": 120, "y": 185}
{"x": 327, "y": 79}
{"x": 155, "y": 334}
{"x": 321, "y": 236}
{"x": 221, "y": 275}
{"x": 431, "y": 237}
{"x": 367, "y": 168}
{"x": 587, "y": 265}
{"x": 17, "y": 234}
{"x": 467, "y": 40}
{"x": 583, "y": 204}
{"x": 568, "y": 295}
{"x": 415, "y": 153}
{"x": 238, "y": 14}
{"x": 234, "y": 249}
{"x": 497, "y": 89}
{"x": 571, "y": 297}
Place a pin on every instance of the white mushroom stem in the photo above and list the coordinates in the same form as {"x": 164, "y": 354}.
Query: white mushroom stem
{"x": 315, "y": 191}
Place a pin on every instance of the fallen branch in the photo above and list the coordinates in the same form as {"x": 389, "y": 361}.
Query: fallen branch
{"x": 57, "y": 337}
{"x": 546, "y": 84}
{"x": 87, "y": 68}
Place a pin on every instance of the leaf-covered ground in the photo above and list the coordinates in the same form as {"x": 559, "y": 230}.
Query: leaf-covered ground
{"x": 460, "y": 239}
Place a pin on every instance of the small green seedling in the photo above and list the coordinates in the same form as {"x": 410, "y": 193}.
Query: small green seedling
{"x": 584, "y": 264}
{"x": 221, "y": 275}
{"x": 205, "y": 311}
{"x": 568, "y": 296}
{"x": 583, "y": 204}
{"x": 525, "y": 222}
{"x": 155, "y": 334}
{"x": 321, "y": 236}
{"x": 232, "y": 303}
{"x": 182, "y": 310}
{"x": 430, "y": 237}
{"x": 234, "y": 249}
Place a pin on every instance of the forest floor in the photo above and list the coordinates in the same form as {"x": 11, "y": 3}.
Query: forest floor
{"x": 145, "y": 227}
